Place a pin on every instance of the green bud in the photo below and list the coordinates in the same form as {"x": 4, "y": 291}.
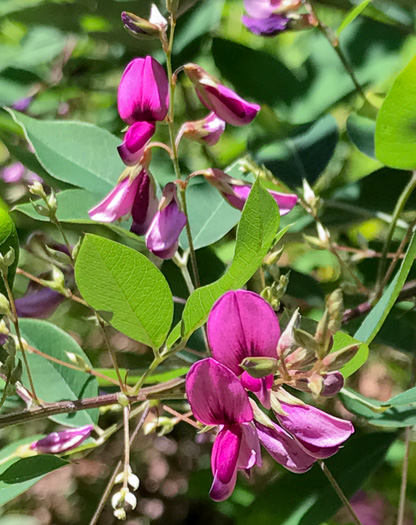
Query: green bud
{"x": 172, "y": 6}
{"x": 336, "y": 360}
{"x": 306, "y": 340}
{"x": 37, "y": 189}
{"x": 4, "y": 305}
{"x": 322, "y": 334}
{"x": 10, "y": 346}
{"x": 58, "y": 280}
{"x": 52, "y": 203}
{"x": 58, "y": 256}
{"x": 273, "y": 257}
{"x": 76, "y": 249}
{"x": 335, "y": 307}
{"x": 315, "y": 243}
{"x": 78, "y": 360}
{"x": 16, "y": 373}
{"x": 259, "y": 367}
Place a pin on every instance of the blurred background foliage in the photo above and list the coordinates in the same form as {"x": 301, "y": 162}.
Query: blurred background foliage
{"x": 68, "y": 56}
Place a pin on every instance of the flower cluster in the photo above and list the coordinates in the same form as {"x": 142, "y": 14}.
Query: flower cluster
{"x": 143, "y": 100}
{"x": 242, "y": 330}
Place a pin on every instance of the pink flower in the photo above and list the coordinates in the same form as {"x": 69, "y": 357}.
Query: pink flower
{"x": 16, "y": 172}
{"x": 162, "y": 237}
{"x": 236, "y": 192}
{"x": 135, "y": 139}
{"x": 145, "y": 204}
{"x": 224, "y": 102}
{"x": 217, "y": 397}
{"x": 271, "y": 17}
{"x": 270, "y": 26}
{"x": 117, "y": 203}
{"x": 205, "y": 131}
{"x": 58, "y": 442}
{"x": 143, "y": 93}
{"x": 241, "y": 324}
{"x": 264, "y": 8}
{"x": 318, "y": 433}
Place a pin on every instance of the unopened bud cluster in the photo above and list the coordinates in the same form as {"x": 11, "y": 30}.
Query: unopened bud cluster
{"x": 124, "y": 500}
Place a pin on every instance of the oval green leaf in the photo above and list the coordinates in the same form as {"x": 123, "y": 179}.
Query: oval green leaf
{"x": 54, "y": 382}
{"x": 123, "y": 282}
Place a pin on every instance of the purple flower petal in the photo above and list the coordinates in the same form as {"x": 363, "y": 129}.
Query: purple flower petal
{"x": 216, "y": 395}
{"x": 13, "y": 173}
{"x": 242, "y": 324}
{"x": 319, "y": 433}
{"x": 145, "y": 204}
{"x": 39, "y": 304}
{"x": 224, "y": 463}
{"x": 261, "y": 387}
{"x": 143, "y": 93}
{"x": 333, "y": 383}
{"x": 162, "y": 238}
{"x": 269, "y": 26}
{"x": 261, "y": 8}
{"x": 117, "y": 203}
{"x": 250, "y": 453}
{"x": 205, "y": 131}
{"x": 136, "y": 138}
{"x": 285, "y": 201}
{"x": 58, "y": 442}
{"x": 284, "y": 449}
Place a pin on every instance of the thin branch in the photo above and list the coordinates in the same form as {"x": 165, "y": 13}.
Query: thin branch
{"x": 181, "y": 417}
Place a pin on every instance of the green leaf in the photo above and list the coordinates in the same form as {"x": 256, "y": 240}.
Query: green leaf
{"x": 398, "y": 416}
{"x": 341, "y": 340}
{"x": 54, "y": 382}
{"x": 309, "y": 499}
{"x": 352, "y": 15}
{"x": 123, "y": 282}
{"x": 405, "y": 398}
{"x": 375, "y": 319}
{"x": 255, "y": 235}
{"x": 18, "y": 475}
{"x": 40, "y": 45}
{"x": 396, "y": 122}
{"x": 74, "y": 152}
{"x": 8, "y": 239}
{"x": 361, "y": 131}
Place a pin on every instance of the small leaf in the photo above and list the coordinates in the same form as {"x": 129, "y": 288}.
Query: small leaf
{"x": 117, "y": 279}
{"x": 361, "y": 131}
{"x": 375, "y": 319}
{"x": 78, "y": 153}
{"x": 8, "y": 239}
{"x": 352, "y": 15}
{"x": 54, "y": 382}
{"x": 255, "y": 235}
{"x": 18, "y": 475}
{"x": 396, "y": 122}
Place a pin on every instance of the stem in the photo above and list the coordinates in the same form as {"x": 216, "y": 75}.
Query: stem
{"x": 55, "y": 221}
{"x": 181, "y": 417}
{"x": 182, "y": 264}
{"x": 334, "y": 41}
{"x": 121, "y": 383}
{"x": 15, "y": 321}
{"x": 110, "y": 484}
{"x": 344, "y": 265}
{"x": 175, "y": 157}
{"x": 338, "y": 490}
{"x": 126, "y": 413}
{"x": 401, "y": 203}
{"x": 155, "y": 363}
{"x": 67, "y": 407}
{"x": 405, "y": 467}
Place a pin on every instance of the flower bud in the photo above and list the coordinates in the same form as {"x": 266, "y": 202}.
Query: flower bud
{"x": 315, "y": 384}
{"x": 335, "y": 307}
{"x": 143, "y": 93}
{"x": 145, "y": 204}
{"x": 135, "y": 140}
{"x": 172, "y": 6}
{"x": 4, "y": 305}
{"x": 336, "y": 360}
{"x": 142, "y": 28}
{"x": 78, "y": 360}
{"x": 306, "y": 340}
{"x": 59, "y": 442}
{"x": 37, "y": 189}
{"x": 259, "y": 367}
{"x": 205, "y": 131}
{"x": 287, "y": 339}
{"x": 224, "y": 102}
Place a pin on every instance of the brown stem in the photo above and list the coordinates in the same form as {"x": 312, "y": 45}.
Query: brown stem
{"x": 181, "y": 417}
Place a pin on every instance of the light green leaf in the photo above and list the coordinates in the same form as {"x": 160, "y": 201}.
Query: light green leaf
{"x": 341, "y": 340}
{"x": 123, "y": 282}
{"x": 8, "y": 239}
{"x": 74, "y": 152}
{"x": 18, "y": 475}
{"x": 375, "y": 319}
{"x": 255, "y": 235}
{"x": 54, "y": 382}
{"x": 352, "y": 15}
{"x": 396, "y": 122}
{"x": 405, "y": 398}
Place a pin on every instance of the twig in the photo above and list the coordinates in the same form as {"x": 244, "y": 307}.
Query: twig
{"x": 338, "y": 490}
{"x": 181, "y": 417}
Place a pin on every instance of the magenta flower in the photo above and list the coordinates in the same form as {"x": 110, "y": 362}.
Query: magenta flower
{"x": 224, "y": 102}
{"x": 265, "y": 8}
{"x": 271, "y": 17}
{"x": 117, "y": 203}
{"x": 162, "y": 237}
{"x": 236, "y": 192}
{"x": 270, "y": 26}
{"x": 143, "y": 93}
{"x": 58, "y": 442}
{"x": 205, "y": 131}
{"x": 284, "y": 448}
{"x": 145, "y": 204}
{"x": 135, "y": 140}
{"x": 217, "y": 397}
{"x": 241, "y": 324}
{"x": 16, "y": 172}
{"x": 332, "y": 384}
{"x": 318, "y": 433}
